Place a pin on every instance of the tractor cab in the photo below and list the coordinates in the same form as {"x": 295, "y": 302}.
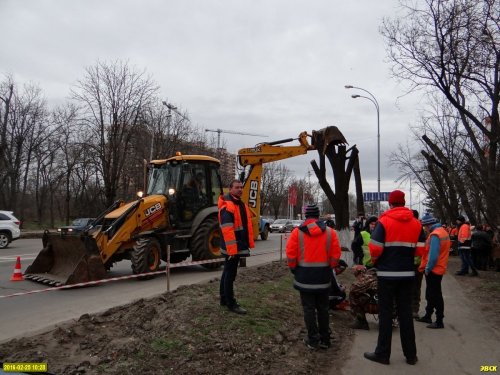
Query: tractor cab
{"x": 191, "y": 183}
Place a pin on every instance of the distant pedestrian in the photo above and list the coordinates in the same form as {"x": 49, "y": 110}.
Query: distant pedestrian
{"x": 396, "y": 240}
{"x": 236, "y": 241}
{"x": 434, "y": 264}
{"x": 357, "y": 242}
{"x": 464, "y": 248}
{"x": 480, "y": 248}
{"x": 313, "y": 251}
{"x": 366, "y": 234}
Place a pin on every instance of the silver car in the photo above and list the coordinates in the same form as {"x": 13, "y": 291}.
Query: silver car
{"x": 281, "y": 226}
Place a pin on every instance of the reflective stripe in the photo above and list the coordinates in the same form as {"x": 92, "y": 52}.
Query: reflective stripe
{"x": 244, "y": 252}
{"x": 301, "y": 244}
{"x": 420, "y": 244}
{"x": 396, "y": 273}
{"x": 236, "y": 229}
{"x": 227, "y": 225}
{"x": 400, "y": 243}
{"x": 312, "y": 286}
{"x": 376, "y": 243}
{"x": 328, "y": 239}
{"x": 315, "y": 264}
{"x": 464, "y": 247}
{"x": 444, "y": 239}
{"x": 229, "y": 243}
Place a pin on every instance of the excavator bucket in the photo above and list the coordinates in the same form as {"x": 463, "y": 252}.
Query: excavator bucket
{"x": 66, "y": 260}
{"x": 322, "y": 138}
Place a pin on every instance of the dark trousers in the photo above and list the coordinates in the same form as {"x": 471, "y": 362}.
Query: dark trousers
{"x": 316, "y": 316}
{"x": 434, "y": 296}
{"x": 466, "y": 258}
{"x": 227, "y": 279}
{"x": 417, "y": 287}
{"x": 400, "y": 292}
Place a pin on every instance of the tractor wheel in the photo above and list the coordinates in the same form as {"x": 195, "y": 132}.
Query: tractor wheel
{"x": 265, "y": 233}
{"x": 205, "y": 243}
{"x": 145, "y": 256}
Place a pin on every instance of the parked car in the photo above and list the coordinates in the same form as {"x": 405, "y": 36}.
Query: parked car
{"x": 297, "y": 223}
{"x": 9, "y": 228}
{"x": 281, "y": 226}
{"x": 77, "y": 226}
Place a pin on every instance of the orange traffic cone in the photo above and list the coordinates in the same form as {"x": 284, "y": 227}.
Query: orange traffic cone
{"x": 17, "y": 275}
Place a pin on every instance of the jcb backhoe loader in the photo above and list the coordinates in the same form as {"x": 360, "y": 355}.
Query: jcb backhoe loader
{"x": 179, "y": 209}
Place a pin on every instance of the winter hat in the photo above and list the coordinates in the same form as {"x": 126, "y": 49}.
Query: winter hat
{"x": 312, "y": 211}
{"x": 372, "y": 219}
{"x": 461, "y": 218}
{"x": 396, "y": 197}
{"x": 428, "y": 219}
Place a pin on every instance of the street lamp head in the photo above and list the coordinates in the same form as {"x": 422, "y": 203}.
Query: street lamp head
{"x": 349, "y": 86}
{"x": 355, "y": 96}
{"x": 164, "y": 102}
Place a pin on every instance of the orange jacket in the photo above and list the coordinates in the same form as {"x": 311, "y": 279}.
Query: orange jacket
{"x": 312, "y": 250}
{"x": 438, "y": 254}
{"x": 237, "y": 235}
{"x": 464, "y": 233}
{"x": 396, "y": 240}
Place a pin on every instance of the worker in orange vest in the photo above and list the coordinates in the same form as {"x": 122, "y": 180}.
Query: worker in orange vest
{"x": 434, "y": 264}
{"x": 464, "y": 248}
{"x": 396, "y": 240}
{"x": 313, "y": 251}
{"x": 237, "y": 240}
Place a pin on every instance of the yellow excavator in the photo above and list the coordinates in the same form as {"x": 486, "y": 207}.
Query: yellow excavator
{"x": 178, "y": 210}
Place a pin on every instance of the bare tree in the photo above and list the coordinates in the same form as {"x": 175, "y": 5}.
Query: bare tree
{"x": 453, "y": 48}
{"x": 113, "y": 96}
{"x": 276, "y": 179}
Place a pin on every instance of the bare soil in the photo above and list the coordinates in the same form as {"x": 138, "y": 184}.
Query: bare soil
{"x": 187, "y": 332}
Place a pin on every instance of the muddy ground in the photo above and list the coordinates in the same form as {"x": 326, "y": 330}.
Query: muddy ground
{"x": 187, "y": 332}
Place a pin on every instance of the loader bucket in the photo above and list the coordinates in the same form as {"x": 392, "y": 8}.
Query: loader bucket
{"x": 66, "y": 260}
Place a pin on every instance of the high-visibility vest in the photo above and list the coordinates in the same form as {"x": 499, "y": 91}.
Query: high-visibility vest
{"x": 395, "y": 241}
{"x": 234, "y": 241}
{"x": 313, "y": 250}
{"x": 444, "y": 251}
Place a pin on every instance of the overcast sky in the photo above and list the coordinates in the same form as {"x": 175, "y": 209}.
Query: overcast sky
{"x": 273, "y": 67}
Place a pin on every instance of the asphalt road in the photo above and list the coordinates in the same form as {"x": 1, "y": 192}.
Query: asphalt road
{"x": 27, "y": 314}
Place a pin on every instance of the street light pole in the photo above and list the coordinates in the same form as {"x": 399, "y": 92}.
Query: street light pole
{"x": 375, "y": 103}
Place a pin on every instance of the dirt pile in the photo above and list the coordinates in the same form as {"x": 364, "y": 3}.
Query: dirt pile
{"x": 187, "y": 332}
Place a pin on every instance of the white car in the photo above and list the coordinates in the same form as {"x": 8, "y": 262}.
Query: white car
{"x": 9, "y": 228}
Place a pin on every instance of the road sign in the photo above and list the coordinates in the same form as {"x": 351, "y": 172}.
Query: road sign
{"x": 374, "y": 196}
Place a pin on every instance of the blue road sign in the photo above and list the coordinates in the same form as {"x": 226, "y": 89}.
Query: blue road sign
{"x": 374, "y": 196}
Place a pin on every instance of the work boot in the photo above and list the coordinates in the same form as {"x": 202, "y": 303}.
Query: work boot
{"x": 436, "y": 325}
{"x": 310, "y": 345}
{"x": 324, "y": 344}
{"x": 412, "y": 361}
{"x": 375, "y": 358}
{"x": 360, "y": 324}
{"x": 461, "y": 273}
{"x": 424, "y": 319}
{"x": 474, "y": 273}
{"x": 237, "y": 309}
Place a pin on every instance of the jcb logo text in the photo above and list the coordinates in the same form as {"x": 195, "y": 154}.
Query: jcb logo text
{"x": 151, "y": 210}
{"x": 254, "y": 190}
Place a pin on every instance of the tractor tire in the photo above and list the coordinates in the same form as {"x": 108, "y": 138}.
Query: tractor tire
{"x": 205, "y": 243}
{"x": 145, "y": 256}
{"x": 265, "y": 233}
